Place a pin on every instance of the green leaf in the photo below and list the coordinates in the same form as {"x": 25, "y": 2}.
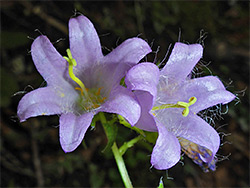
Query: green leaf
{"x": 111, "y": 131}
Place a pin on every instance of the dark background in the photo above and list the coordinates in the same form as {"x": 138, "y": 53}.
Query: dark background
{"x": 30, "y": 152}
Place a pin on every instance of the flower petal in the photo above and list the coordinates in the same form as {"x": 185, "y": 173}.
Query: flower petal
{"x": 146, "y": 121}
{"x": 181, "y": 61}
{"x": 72, "y": 129}
{"x": 144, "y": 77}
{"x": 208, "y": 90}
{"x": 49, "y": 63}
{"x": 192, "y": 128}
{"x": 84, "y": 42}
{"x": 122, "y": 101}
{"x": 167, "y": 150}
{"x": 200, "y": 132}
{"x": 40, "y": 109}
{"x": 106, "y": 76}
{"x": 42, "y": 101}
{"x": 130, "y": 52}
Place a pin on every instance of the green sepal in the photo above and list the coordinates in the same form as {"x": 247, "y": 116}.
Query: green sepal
{"x": 158, "y": 63}
{"x": 161, "y": 184}
{"x": 182, "y": 158}
{"x": 151, "y": 137}
{"x": 111, "y": 131}
{"x": 94, "y": 120}
{"x": 124, "y": 122}
{"x": 122, "y": 82}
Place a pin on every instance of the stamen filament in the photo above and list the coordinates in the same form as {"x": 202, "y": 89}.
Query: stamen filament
{"x": 98, "y": 91}
{"x": 80, "y": 89}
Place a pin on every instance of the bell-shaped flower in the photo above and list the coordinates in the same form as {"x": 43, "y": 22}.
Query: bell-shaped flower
{"x": 170, "y": 101}
{"x": 83, "y": 83}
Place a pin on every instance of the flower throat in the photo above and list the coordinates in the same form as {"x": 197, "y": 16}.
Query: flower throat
{"x": 90, "y": 98}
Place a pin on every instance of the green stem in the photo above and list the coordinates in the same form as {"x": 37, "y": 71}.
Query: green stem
{"x": 129, "y": 144}
{"x": 118, "y": 158}
{"x": 121, "y": 166}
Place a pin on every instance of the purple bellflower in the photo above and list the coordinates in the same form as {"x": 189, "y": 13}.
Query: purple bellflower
{"x": 83, "y": 83}
{"x": 170, "y": 101}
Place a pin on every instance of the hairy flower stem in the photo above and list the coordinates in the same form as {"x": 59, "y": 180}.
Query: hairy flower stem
{"x": 118, "y": 158}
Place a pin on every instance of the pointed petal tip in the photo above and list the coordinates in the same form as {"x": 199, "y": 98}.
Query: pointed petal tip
{"x": 65, "y": 151}
{"x": 67, "y": 148}
{"x": 22, "y": 120}
{"x": 79, "y": 17}
{"x": 143, "y": 45}
{"x": 129, "y": 52}
{"x": 164, "y": 166}
{"x": 182, "y": 60}
{"x": 84, "y": 42}
{"x": 167, "y": 150}
{"x": 72, "y": 129}
{"x": 230, "y": 97}
{"x": 39, "y": 39}
{"x": 192, "y": 47}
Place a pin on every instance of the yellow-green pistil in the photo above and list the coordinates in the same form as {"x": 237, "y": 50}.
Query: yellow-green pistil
{"x": 72, "y": 63}
{"x": 179, "y": 104}
{"x": 92, "y": 96}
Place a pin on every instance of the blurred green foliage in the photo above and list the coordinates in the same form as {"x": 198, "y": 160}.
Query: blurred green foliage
{"x": 30, "y": 152}
{"x": 8, "y": 87}
{"x": 12, "y": 39}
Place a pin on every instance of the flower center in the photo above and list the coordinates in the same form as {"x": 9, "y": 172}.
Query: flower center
{"x": 90, "y": 98}
{"x": 95, "y": 101}
{"x": 179, "y": 104}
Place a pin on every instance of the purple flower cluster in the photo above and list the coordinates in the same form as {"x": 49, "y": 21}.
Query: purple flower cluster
{"x": 166, "y": 101}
